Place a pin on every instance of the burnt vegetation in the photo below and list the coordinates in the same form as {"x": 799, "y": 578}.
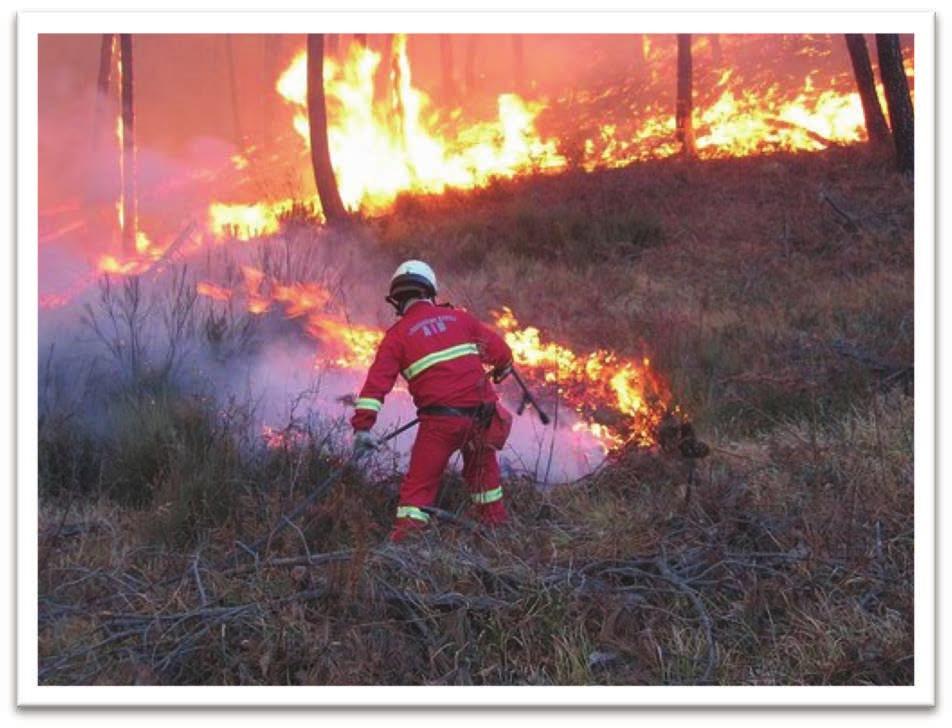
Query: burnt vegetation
{"x": 776, "y": 294}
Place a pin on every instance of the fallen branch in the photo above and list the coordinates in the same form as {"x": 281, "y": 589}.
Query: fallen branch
{"x": 667, "y": 573}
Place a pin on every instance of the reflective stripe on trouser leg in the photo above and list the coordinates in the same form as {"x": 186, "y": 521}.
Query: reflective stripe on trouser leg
{"x": 481, "y": 472}
{"x": 414, "y": 513}
{"x": 487, "y": 496}
{"x": 435, "y": 442}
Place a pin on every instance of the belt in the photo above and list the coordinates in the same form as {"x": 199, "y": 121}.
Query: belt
{"x": 479, "y": 411}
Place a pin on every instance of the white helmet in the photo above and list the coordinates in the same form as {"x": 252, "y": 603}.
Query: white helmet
{"x": 412, "y": 275}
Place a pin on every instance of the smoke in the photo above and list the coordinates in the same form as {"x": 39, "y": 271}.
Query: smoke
{"x": 119, "y": 333}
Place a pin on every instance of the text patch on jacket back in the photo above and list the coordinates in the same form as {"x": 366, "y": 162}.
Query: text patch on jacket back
{"x": 431, "y": 325}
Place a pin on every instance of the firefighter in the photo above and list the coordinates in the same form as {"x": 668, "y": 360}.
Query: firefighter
{"x": 441, "y": 351}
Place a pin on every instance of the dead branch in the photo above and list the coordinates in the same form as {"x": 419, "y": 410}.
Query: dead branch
{"x": 667, "y": 573}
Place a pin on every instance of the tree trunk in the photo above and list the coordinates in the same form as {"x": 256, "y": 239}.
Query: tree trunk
{"x": 332, "y": 43}
{"x": 324, "y": 178}
{"x": 128, "y": 171}
{"x": 233, "y": 86}
{"x": 446, "y": 62}
{"x": 98, "y": 134}
{"x": 105, "y": 64}
{"x": 397, "y": 113}
{"x": 896, "y": 86}
{"x": 876, "y": 128}
{"x": 470, "y": 66}
{"x": 684, "y": 108}
{"x": 519, "y": 62}
{"x": 360, "y": 39}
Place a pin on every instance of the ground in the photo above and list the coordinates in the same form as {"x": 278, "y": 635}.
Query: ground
{"x": 775, "y": 293}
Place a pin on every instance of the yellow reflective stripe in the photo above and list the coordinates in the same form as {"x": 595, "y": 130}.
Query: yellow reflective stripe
{"x": 487, "y": 496}
{"x": 413, "y": 512}
{"x": 368, "y": 403}
{"x": 454, "y": 352}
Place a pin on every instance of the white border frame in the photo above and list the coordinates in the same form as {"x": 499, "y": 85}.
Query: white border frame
{"x": 919, "y": 23}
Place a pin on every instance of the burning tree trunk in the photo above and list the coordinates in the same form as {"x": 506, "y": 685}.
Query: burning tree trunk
{"x": 684, "y": 108}
{"x": 360, "y": 39}
{"x": 102, "y": 92}
{"x": 896, "y": 86}
{"x": 446, "y": 62}
{"x": 233, "y": 85}
{"x": 128, "y": 146}
{"x": 332, "y": 41}
{"x": 398, "y": 113}
{"x": 519, "y": 62}
{"x": 317, "y": 119}
{"x": 876, "y": 127}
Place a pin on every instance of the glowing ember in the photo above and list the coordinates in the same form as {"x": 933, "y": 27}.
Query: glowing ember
{"x": 283, "y": 439}
{"x": 210, "y": 290}
{"x": 112, "y": 265}
{"x": 53, "y": 300}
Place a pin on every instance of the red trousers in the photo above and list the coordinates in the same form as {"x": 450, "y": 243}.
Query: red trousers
{"x": 437, "y": 439}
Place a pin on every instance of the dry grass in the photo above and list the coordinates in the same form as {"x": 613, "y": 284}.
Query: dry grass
{"x": 777, "y": 295}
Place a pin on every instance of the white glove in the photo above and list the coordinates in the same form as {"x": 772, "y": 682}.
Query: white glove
{"x": 364, "y": 442}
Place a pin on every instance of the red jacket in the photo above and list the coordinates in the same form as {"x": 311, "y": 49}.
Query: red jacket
{"x": 440, "y": 351}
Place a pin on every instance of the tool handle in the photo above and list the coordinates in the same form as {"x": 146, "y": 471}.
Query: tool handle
{"x": 403, "y": 428}
{"x": 527, "y": 397}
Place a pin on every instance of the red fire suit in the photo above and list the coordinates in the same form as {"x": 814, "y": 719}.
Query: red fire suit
{"x": 440, "y": 351}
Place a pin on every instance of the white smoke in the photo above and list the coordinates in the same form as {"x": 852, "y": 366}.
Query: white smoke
{"x": 280, "y": 372}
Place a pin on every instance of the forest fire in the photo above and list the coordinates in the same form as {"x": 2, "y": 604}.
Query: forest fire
{"x": 387, "y": 139}
{"x": 383, "y": 147}
{"x": 391, "y": 137}
{"x": 738, "y": 124}
{"x": 617, "y": 400}
{"x": 281, "y": 274}
{"x": 378, "y": 154}
{"x": 343, "y": 343}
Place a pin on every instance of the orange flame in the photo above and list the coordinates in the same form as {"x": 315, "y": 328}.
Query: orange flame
{"x": 211, "y": 290}
{"x": 618, "y": 399}
{"x": 377, "y": 153}
{"x": 344, "y": 344}
{"x": 282, "y": 439}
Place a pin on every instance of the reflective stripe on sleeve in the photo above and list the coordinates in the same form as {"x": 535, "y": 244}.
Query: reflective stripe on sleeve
{"x": 368, "y": 403}
{"x": 413, "y": 512}
{"x": 453, "y": 352}
{"x": 487, "y": 496}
